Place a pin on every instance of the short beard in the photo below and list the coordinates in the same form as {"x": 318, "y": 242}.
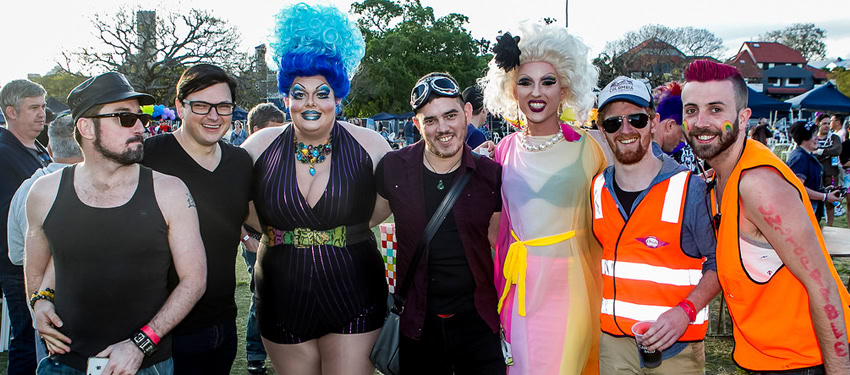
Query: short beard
{"x": 433, "y": 149}
{"x": 631, "y": 157}
{"x": 127, "y": 157}
{"x": 708, "y": 152}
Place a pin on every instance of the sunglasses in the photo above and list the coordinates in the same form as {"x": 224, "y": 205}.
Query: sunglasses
{"x": 127, "y": 119}
{"x": 442, "y": 86}
{"x": 637, "y": 120}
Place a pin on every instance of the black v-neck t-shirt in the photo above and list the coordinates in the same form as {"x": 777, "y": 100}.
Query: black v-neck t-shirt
{"x": 221, "y": 197}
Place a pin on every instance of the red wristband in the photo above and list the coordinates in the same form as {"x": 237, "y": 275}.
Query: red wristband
{"x": 151, "y": 334}
{"x": 689, "y": 308}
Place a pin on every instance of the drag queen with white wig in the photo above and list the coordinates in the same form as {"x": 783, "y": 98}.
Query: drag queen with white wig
{"x": 547, "y": 259}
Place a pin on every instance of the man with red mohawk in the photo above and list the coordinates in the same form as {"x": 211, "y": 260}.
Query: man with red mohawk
{"x": 787, "y": 303}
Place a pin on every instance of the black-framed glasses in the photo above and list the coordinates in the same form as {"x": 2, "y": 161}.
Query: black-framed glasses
{"x": 440, "y": 85}
{"x": 200, "y": 107}
{"x": 127, "y": 119}
{"x": 637, "y": 120}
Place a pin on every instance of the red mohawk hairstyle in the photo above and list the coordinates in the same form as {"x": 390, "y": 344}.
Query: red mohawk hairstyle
{"x": 708, "y": 71}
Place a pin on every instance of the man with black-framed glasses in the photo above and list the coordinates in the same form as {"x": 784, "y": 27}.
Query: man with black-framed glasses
{"x": 219, "y": 177}
{"x": 651, "y": 217}
{"x": 23, "y": 104}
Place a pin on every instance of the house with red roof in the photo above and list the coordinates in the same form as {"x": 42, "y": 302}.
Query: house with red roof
{"x": 656, "y": 61}
{"x": 781, "y": 71}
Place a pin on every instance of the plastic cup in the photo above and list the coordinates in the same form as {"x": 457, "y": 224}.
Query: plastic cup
{"x": 651, "y": 358}
{"x": 483, "y": 151}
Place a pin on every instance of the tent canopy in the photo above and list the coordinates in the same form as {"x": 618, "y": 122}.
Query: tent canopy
{"x": 826, "y": 98}
{"x": 762, "y": 105}
{"x": 383, "y": 116}
{"x": 240, "y": 114}
{"x": 56, "y": 106}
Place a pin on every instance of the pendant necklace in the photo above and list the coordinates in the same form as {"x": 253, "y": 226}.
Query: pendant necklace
{"x": 310, "y": 154}
{"x": 440, "y": 185}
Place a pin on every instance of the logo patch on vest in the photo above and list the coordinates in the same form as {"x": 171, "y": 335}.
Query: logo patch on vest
{"x": 652, "y": 242}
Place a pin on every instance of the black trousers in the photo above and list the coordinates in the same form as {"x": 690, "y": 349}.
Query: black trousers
{"x": 461, "y": 344}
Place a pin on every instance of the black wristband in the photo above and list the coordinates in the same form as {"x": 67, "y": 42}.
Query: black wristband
{"x": 253, "y": 233}
{"x": 144, "y": 343}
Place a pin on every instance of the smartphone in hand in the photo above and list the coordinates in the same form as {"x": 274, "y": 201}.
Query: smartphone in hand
{"x": 96, "y": 365}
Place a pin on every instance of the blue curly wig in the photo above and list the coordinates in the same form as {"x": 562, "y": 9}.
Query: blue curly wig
{"x": 317, "y": 40}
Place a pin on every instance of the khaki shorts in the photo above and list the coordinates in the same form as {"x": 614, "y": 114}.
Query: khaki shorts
{"x": 619, "y": 355}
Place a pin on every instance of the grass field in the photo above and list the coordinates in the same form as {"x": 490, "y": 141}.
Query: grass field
{"x": 718, "y": 349}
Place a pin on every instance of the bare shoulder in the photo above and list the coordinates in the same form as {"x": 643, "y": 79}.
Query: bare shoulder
{"x": 765, "y": 184}
{"x": 171, "y": 193}
{"x": 765, "y": 189}
{"x": 259, "y": 141}
{"x": 372, "y": 141}
{"x": 43, "y": 193}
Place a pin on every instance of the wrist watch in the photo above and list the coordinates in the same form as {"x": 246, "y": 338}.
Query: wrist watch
{"x": 144, "y": 343}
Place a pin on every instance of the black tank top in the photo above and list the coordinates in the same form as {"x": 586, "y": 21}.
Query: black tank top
{"x": 111, "y": 268}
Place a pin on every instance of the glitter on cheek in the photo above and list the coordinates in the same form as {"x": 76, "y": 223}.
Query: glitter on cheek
{"x": 727, "y": 126}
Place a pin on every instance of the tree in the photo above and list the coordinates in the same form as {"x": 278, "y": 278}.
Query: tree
{"x": 656, "y": 60}
{"x": 842, "y": 79}
{"x": 689, "y": 40}
{"x": 803, "y": 37}
{"x": 59, "y": 82}
{"x": 152, "y": 48}
{"x": 405, "y": 41}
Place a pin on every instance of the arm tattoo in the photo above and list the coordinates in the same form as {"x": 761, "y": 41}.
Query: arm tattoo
{"x": 775, "y": 222}
{"x": 190, "y": 200}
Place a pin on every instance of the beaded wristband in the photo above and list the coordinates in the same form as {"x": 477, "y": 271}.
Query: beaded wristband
{"x": 689, "y": 308}
{"x": 46, "y": 294}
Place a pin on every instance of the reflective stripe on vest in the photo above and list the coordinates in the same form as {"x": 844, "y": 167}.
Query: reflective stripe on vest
{"x": 644, "y": 270}
{"x": 643, "y": 312}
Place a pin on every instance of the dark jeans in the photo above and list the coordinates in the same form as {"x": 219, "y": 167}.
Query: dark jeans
{"x": 22, "y": 347}
{"x": 206, "y": 351}
{"x": 462, "y": 344}
{"x": 49, "y": 366}
{"x": 254, "y": 350}
{"x": 817, "y": 370}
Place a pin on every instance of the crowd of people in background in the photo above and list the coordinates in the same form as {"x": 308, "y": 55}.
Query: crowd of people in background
{"x": 564, "y": 248}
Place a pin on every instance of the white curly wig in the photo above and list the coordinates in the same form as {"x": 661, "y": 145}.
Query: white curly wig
{"x": 547, "y": 43}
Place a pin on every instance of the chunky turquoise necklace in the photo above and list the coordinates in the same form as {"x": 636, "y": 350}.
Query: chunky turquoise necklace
{"x": 310, "y": 154}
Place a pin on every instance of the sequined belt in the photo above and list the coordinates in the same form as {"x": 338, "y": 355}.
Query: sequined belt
{"x": 304, "y": 237}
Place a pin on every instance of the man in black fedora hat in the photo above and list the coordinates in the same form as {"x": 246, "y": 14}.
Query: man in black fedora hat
{"x": 101, "y": 238}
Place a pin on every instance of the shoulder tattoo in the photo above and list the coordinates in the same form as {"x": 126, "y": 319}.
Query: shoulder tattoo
{"x": 190, "y": 200}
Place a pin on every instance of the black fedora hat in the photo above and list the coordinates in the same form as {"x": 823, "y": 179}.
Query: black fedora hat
{"x": 102, "y": 89}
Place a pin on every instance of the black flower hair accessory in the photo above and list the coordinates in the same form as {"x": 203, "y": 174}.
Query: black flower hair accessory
{"x": 507, "y": 51}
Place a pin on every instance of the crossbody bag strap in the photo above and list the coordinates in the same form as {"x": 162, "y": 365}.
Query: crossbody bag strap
{"x": 431, "y": 229}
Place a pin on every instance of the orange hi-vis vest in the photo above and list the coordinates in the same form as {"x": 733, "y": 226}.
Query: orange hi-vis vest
{"x": 644, "y": 270}
{"x": 773, "y": 327}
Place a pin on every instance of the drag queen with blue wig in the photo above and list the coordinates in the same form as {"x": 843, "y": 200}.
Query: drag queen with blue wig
{"x": 320, "y": 287}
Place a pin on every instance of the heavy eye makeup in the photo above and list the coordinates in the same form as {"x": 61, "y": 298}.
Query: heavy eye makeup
{"x": 297, "y": 92}
{"x": 324, "y": 92}
{"x": 549, "y": 80}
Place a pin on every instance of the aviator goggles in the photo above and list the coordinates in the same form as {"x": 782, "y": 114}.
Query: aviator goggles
{"x": 127, "y": 119}
{"x": 637, "y": 120}
{"x": 440, "y": 85}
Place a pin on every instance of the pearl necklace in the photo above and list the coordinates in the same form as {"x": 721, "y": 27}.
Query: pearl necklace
{"x": 555, "y": 139}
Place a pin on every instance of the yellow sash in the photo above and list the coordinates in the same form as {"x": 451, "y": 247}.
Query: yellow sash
{"x": 517, "y": 261}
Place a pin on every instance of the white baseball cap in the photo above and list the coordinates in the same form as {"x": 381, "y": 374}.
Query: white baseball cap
{"x": 628, "y": 89}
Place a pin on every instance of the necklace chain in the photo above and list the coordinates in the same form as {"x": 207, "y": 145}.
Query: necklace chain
{"x": 440, "y": 185}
